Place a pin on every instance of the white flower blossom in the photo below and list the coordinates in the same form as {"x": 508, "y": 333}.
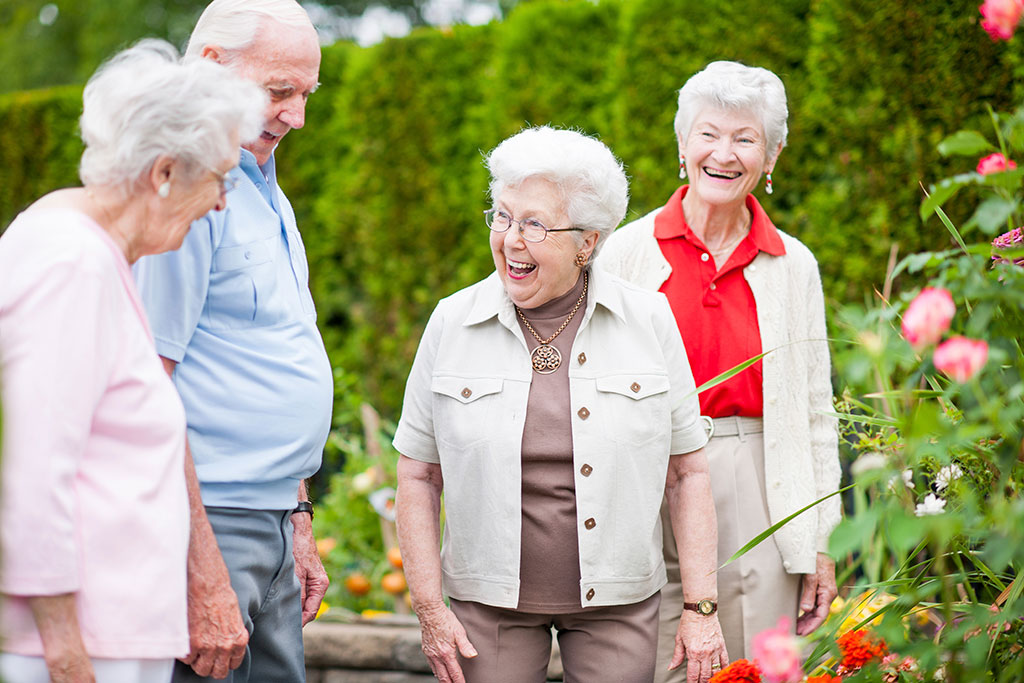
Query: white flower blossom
{"x": 908, "y": 480}
{"x": 932, "y": 505}
{"x": 947, "y": 475}
{"x": 867, "y": 462}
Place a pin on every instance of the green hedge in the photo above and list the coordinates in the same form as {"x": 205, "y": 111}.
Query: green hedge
{"x": 388, "y": 184}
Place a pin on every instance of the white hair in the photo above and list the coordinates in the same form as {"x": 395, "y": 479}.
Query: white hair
{"x": 232, "y": 25}
{"x": 144, "y": 103}
{"x": 737, "y": 87}
{"x": 590, "y": 180}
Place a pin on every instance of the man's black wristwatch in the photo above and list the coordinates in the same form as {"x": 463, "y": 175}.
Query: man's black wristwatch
{"x": 304, "y": 506}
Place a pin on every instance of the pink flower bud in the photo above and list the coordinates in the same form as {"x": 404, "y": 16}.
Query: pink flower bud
{"x": 777, "y": 652}
{"x": 960, "y": 358}
{"x": 928, "y": 317}
{"x": 1001, "y": 17}
{"x": 995, "y": 163}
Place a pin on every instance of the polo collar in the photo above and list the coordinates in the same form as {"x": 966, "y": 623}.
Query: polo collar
{"x": 671, "y": 223}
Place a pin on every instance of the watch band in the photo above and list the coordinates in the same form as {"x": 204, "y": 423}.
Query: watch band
{"x": 304, "y": 506}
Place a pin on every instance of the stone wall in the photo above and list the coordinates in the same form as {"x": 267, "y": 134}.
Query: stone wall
{"x": 383, "y": 650}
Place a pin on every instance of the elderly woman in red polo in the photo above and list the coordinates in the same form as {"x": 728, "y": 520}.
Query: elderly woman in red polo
{"x": 738, "y": 287}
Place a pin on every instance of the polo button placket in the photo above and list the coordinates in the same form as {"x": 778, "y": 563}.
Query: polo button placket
{"x": 704, "y": 257}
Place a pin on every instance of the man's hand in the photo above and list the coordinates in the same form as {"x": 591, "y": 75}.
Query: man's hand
{"x": 700, "y": 642}
{"x": 308, "y": 567}
{"x": 218, "y": 637}
{"x": 819, "y": 590}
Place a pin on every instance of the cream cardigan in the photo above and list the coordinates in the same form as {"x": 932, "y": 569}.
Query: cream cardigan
{"x": 801, "y": 447}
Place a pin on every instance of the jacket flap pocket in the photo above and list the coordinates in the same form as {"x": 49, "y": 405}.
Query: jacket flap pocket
{"x": 465, "y": 389}
{"x": 636, "y": 386}
{"x": 243, "y": 256}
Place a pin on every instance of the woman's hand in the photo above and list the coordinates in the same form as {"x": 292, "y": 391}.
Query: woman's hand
{"x": 63, "y": 650}
{"x": 699, "y": 641}
{"x": 819, "y": 590}
{"x": 443, "y": 639}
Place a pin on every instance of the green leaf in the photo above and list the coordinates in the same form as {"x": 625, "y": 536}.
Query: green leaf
{"x": 943, "y": 190}
{"x": 952, "y": 228}
{"x": 905, "y": 530}
{"x": 992, "y": 213}
{"x": 964, "y": 143}
{"x": 864, "y": 419}
{"x": 853, "y": 532}
{"x": 775, "y": 527}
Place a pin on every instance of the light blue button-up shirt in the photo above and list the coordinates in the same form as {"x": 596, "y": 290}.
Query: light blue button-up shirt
{"x": 232, "y": 307}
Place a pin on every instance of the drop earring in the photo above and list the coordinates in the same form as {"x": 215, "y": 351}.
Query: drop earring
{"x": 682, "y": 168}
{"x": 164, "y": 190}
{"x": 768, "y": 183}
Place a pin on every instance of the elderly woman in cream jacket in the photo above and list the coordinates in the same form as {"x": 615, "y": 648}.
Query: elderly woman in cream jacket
{"x": 739, "y": 287}
{"x": 553, "y": 405}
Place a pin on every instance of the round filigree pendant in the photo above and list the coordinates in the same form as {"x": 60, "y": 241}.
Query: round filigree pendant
{"x": 545, "y": 359}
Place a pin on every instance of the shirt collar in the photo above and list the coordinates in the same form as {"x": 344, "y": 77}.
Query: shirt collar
{"x": 493, "y": 300}
{"x": 267, "y": 172}
{"x": 671, "y": 222}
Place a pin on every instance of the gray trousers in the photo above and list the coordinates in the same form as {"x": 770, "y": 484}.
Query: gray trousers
{"x": 755, "y": 590}
{"x": 257, "y": 548}
{"x": 598, "y": 645}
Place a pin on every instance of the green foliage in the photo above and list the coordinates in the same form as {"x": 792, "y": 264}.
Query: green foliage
{"x": 387, "y": 180}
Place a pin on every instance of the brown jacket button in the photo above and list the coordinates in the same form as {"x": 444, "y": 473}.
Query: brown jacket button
{"x": 467, "y": 392}
{"x": 583, "y": 413}
{"x": 590, "y": 594}
{"x": 582, "y": 358}
{"x": 586, "y": 470}
{"x": 635, "y": 387}
{"x": 590, "y": 523}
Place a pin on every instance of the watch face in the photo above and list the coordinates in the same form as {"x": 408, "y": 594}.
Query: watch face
{"x": 706, "y": 607}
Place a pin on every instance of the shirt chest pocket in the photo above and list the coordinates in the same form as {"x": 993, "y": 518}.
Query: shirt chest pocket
{"x": 244, "y": 288}
{"x": 636, "y": 407}
{"x": 465, "y": 409}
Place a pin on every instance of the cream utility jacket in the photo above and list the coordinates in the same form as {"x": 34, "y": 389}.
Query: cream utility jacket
{"x": 632, "y": 404}
{"x": 801, "y": 455}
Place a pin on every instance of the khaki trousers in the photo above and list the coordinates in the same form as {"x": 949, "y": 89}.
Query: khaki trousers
{"x": 755, "y": 590}
{"x": 598, "y": 645}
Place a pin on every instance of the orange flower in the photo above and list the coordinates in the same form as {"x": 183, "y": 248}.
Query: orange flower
{"x": 740, "y": 671}
{"x": 824, "y": 678}
{"x": 860, "y": 647}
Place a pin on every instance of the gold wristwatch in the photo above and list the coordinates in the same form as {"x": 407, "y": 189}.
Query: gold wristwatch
{"x": 706, "y": 607}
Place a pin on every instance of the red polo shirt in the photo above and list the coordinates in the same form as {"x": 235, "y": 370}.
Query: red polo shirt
{"x": 715, "y": 309}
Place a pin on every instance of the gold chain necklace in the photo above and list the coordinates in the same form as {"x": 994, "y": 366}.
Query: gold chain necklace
{"x": 546, "y": 358}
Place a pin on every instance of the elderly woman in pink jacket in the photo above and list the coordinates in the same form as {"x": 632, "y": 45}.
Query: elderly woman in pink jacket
{"x": 739, "y": 287}
{"x": 94, "y": 519}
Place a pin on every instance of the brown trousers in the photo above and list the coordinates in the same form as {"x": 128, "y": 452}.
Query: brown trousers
{"x": 755, "y": 590}
{"x": 603, "y": 644}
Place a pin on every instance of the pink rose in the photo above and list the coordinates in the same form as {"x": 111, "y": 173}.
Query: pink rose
{"x": 928, "y": 317}
{"x": 995, "y": 163}
{"x": 777, "y": 652}
{"x": 960, "y": 357}
{"x": 1001, "y": 17}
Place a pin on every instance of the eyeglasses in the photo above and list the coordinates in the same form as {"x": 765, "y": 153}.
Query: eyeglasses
{"x": 227, "y": 183}
{"x": 531, "y": 229}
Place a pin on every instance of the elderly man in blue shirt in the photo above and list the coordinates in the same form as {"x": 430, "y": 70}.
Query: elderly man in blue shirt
{"x": 234, "y": 322}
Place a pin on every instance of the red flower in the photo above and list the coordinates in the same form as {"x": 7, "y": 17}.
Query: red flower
{"x": 1001, "y": 17}
{"x": 1008, "y": 240}
{"x": 824, "y": 678}
{"x": 740, "y": 671}
{"x": 995, "y": 163}
{"x": 860, "y": 647}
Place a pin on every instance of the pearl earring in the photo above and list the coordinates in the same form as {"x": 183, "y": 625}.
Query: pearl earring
{"x": 768, "y": 183}
{"x": 682, "y": 168}
{"x": 164, "y": 190}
